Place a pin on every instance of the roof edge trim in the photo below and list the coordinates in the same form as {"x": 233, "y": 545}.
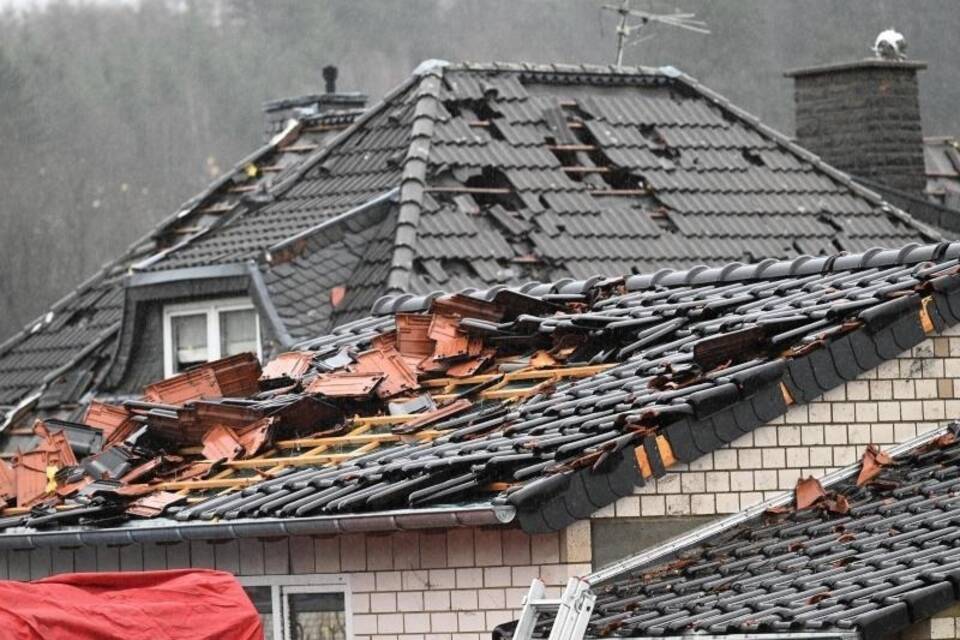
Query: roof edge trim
{"x": 707, "y": 531}
{"x": 171, "y": 532}
{"x": 148, "y": 278}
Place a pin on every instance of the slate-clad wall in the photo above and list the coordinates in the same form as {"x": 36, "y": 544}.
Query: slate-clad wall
{"x": 901, "y": 398}
{"x": 437, "y": 585}
{"x": 864, "y": 118}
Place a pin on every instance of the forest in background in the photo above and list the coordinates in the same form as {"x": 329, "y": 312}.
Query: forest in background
{"x": 113, "y": 114}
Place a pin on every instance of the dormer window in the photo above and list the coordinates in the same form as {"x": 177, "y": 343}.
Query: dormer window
{"x": 198, "y": 332}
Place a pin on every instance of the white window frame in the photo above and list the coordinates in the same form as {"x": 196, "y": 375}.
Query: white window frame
{"x": 212, "y": 309}
{"x": 307, "y": 583}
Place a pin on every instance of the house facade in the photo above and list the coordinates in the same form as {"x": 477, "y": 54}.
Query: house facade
{"x": 482, "y": 176}
{"x": 460, "y": 583}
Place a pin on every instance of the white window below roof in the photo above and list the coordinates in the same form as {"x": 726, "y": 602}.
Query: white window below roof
{"x": 306, "y": 607}
{"x": 198, "y": 332}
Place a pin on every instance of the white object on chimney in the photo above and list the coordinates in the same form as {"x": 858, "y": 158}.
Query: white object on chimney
{"x": 890, "y": 45}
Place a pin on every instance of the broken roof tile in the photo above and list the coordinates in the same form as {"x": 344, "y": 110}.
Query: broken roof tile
{"x": 397, "y": 376}
{"x": 800, "y": 571}
{"x": 288, "y": 366}
{"x": 345, "y": 384}
{"x": 221, "y": 443}
{"x": 154, "y": 504}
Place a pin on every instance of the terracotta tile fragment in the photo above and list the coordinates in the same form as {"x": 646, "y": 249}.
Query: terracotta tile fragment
{"x": 291, "y": 365}
{"x": 808, "y": 492}
{"x": 871, "y": 463}
{"x": 343, "y": 384}
{"x": 221, "y": 443}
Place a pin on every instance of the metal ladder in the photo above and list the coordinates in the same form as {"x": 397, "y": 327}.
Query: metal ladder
{"x": 573, "y": 610}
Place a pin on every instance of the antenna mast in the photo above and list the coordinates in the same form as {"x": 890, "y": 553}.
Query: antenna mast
{"x": 680, "y": 20}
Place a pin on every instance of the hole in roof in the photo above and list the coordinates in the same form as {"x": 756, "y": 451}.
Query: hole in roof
{"x": 496, "y": 182}
{"x": 662, "y": 217}
{"x": 753, "y": 157}
{"x": 458, "y": 267}
{"x": 81, "y": 317}
{"x": 830, "y": 222}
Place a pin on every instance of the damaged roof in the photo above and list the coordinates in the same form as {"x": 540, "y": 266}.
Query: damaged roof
{"x": 68, "y": 349}
{"x": 545, "y": 402}
{"x": 505, "y": 173}
{"x": 472, "y": 175}
{"x": 872, "y": 549}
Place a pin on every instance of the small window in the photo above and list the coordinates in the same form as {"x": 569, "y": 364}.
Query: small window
{"x": 200, "y": 332}
{"x": 292, "y": 608}
{"x": 312, "y": 615}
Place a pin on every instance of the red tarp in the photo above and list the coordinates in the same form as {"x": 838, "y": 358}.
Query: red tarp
{"x": 155, "y": 605}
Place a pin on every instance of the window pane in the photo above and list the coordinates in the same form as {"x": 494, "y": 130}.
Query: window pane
{"x": 317, "y": 616}
{"x": 262, "y": 600}
{"x": 238, "y": 332}
{"x": 189, "y": 340}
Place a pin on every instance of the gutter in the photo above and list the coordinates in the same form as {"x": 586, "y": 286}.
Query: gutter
{"x": 170, "y": 531}
{"x": 706, "y": 532}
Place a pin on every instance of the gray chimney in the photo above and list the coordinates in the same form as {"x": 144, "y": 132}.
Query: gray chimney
{"x": 863, "y": 117}
{"x": 278, "y": 112}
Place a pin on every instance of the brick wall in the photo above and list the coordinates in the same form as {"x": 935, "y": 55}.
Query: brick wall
{"x": 864, "y": 118}
{"x": 898, "y": 400}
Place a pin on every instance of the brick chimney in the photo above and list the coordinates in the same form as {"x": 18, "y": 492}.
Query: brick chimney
{"x": 278, "y": 112}
{"x": 863, "y": 117}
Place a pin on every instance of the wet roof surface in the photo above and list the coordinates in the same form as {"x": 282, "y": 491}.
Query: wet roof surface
{"x": 876, "y": 553}
{"x": 556, "y": 398}
{"x": 506, "y": 173}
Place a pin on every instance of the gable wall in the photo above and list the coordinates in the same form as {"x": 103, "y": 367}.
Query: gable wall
{"x": 917, "y": 392}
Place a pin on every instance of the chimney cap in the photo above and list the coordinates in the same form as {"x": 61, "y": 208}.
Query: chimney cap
{"x": 854, "y": 65}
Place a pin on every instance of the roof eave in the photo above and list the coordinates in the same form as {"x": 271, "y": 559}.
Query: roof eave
{"x": 170, "y": 531}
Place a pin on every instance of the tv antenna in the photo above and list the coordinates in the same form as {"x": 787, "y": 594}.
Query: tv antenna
{"x": 686, "y": 21}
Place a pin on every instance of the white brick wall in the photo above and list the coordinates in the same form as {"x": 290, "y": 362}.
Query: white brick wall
{"x": 896, "y": 401}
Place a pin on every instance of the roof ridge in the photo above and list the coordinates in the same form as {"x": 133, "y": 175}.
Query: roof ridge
{"x": 414, "y": 175}
{"x": 568, "y": 68}
{"x": 910, "y": 254}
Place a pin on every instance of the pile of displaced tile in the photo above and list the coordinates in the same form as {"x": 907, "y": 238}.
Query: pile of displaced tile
{"x": 875, "y": 553}
{"x": 554, "y": 398}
